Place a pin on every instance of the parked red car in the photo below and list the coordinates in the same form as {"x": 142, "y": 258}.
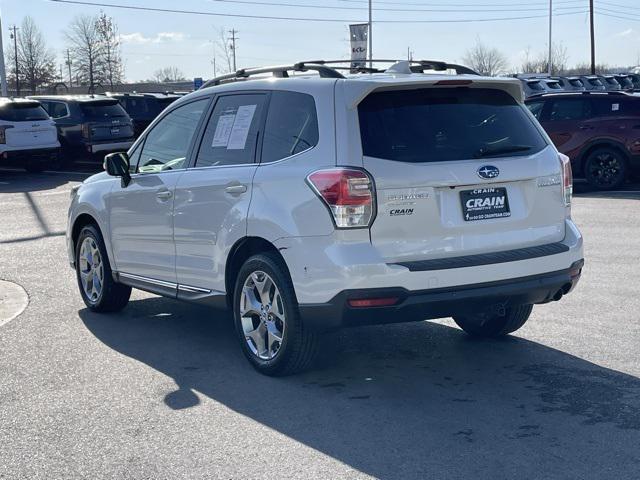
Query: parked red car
{"x": 599, "y": 131}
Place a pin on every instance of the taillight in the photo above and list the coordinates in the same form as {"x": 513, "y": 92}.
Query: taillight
{"x": 86, "y": 130}
{"x": 3, "y": 133}
{"x": 348, "y": 193}
{"x": 567, "y": 179}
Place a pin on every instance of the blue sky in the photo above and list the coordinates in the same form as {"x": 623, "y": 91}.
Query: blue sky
{"x": 154, "y": 40}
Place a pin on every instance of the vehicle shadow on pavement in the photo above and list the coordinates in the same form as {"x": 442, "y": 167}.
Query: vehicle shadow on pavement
{"x": 417, "y": 400}
{"x": 16, "y": 181}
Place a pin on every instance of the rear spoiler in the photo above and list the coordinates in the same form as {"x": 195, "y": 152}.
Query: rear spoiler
{"x": 355, "y": 91}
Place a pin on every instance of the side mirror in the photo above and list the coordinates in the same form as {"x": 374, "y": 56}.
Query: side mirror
{"x": 117, "y": 165}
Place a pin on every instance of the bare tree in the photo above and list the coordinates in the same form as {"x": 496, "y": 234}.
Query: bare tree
{"x": 540, "y": 64}
{"x": 223, "y": 46}
{"x": 87, "y": 49}
{"x": 484, "y": 60}
{"x": 168, "y": 74}
{"x": 110, "y": 66}
{"x": 36, "y": 62}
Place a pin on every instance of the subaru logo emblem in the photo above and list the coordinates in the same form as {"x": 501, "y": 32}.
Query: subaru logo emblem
{"x": 488, "y": 171}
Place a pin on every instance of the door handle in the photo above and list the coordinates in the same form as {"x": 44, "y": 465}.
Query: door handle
{"x": 164, "y": 195}
{"x": 236, "y": 189}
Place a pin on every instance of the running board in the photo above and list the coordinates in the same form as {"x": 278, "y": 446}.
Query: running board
{"x": 170, "y": 289}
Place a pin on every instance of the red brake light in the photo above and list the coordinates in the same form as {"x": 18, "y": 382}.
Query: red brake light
{"x": 454, "y": 82}
{"x": 567, "y": 178}
{"x": 348, "y": 193}
{"x": 373, "y": 302}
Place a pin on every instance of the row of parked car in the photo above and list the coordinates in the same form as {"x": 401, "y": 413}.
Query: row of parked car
{"x": 40, "y": 131}
{"x": 599, "y": 130}
{"x": 540, "y": 84}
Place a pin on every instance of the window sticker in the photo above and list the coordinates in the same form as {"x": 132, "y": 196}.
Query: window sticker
{"x": 223, "y": 130}
{"x": 241, "y": 126}
{"x": 615, "y": 107}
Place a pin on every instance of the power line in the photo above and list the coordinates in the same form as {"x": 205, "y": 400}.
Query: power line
{"x": 383, "y": 9}
{"x": 421, "y": 4}
{"x": 326, "y": 20}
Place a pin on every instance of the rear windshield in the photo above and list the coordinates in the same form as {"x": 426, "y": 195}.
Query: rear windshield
{"x": 611, "y": 81}
{"x": 102, "y": 109}
{"x": 442, "y": 124}
{"x": 23, "y": 112}
{"x": 625, "y": 81}
{"x": 576, "y": 83}
{"x": 554, "y": 85}
{"x": 535, "y": 85}
{"x": 596, "y": 82}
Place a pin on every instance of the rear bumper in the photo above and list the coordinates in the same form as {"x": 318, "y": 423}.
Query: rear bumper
{"x": 32, "y": 154}
{"x": 110, "y": 146}
{"x": 441, "y": 302}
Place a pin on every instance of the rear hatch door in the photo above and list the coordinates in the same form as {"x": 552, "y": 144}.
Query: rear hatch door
{"x": 106, "y": 120}
{"x": 27, "y": 125}
{"x": 458, "y": 171}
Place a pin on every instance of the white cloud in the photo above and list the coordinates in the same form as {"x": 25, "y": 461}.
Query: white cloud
{"x": 162, "y": 37}
{"x": 625, "y": 33}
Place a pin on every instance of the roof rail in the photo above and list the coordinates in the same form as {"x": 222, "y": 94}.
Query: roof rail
{"x": 280, "y": 71}
{"x": 331, "y": 69}
{"x": 418, "y": 66}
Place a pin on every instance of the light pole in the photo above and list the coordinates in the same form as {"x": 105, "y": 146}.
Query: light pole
{"x": 370, "y": 35}
{"x": 3, "y": 72}
{"x": 550, "y": 25}
{"x": 14, "y": 37}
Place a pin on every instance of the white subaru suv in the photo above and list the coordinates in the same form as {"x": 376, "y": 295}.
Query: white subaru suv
{"x": 28, "y": 136}
{"x": 305, "y": 199}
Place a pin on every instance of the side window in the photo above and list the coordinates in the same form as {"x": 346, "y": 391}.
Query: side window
{"x": 536, "y": 109}
{"x": 570, "y": 109}
{"x": 57, "y": 110}
{"x": 291, "y": 126}
{"x": 232, "y": 132}
{"x": 134, "y": 156}
{"x": 167, "y": 145}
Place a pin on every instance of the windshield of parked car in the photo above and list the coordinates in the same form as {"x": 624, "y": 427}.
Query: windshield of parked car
{"x": 102, "y": 109}
{"x": 23, "y": 112}
{"x": 596, "y": 82}
{"x": 442, "y": 124}
{"x": 554, "y": 85}
{"x": 576, "y": 82}
{"x": 625, "y": 81}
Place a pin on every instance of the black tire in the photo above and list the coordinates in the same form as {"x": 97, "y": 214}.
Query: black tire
{"x": 299, "y": 347}
{"x": 494, "y": 325}
{"x": 606, "y": 169}
{"x": 113, "y": 296}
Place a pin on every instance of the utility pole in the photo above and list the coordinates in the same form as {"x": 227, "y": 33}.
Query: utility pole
{"x": 14, "y": 36}
{"x": 593, "y": 43}
{"x": 550, "y": 25}
{"x": 370, "y": 35}
{"x": 233, "y": 46}
{"x": 3, "y": 72}
{"x": 69, "y": 67}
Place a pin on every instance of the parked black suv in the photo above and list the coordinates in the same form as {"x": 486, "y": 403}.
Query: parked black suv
{"x": 89, "y": 124}
{"x": 143, "y": 107}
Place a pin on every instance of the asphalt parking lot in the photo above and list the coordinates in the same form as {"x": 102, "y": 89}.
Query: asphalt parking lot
{"x": 161, "y": 390}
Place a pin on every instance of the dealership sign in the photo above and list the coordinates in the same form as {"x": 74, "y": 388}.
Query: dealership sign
{"x": 359, "y": 35}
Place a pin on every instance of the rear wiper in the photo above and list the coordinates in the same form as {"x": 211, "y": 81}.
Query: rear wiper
{"x": 488, "y": 152}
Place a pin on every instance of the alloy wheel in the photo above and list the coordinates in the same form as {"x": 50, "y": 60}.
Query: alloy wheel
{"x": 262, "y": 315}
{"x": 605, "y": 169}
{"x": 91, "y": 269}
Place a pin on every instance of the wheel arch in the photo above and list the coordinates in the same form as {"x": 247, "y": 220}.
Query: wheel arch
{"x": 238, "y": 254}
{"x": 601, "y": 143}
